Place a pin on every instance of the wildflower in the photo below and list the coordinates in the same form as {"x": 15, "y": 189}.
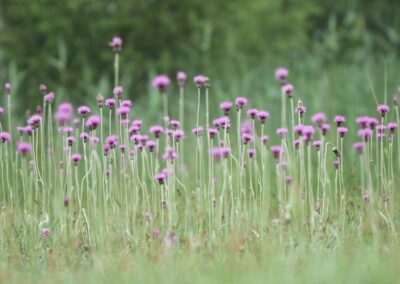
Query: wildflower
{"x": 94, "y": 140}
{"x": 23, "y": 147}
{"x": 126, "y": 103}
{"x": 92, "y": 122}
{"x": 66, "y": 130}
{"x": 339, "y": 120}
{"x": 264, "y": 139}
{"x": 122, "y": 148}
{"x": 282, "y": 132}
{"x": 65, "y": 108}
{"x": 392, "y": 127}
{"x": 84, "y": 136}
{"x": 246, "y": 138}
{"x": 301, "y": 109}
{"x": 262, "y": 116}
{"x": 281, "y": 74}
{"x": 45, "y": 233}
{"x": 288, "y": 179}
{"x": 363, "y": 121}
{"x": 200, "y": 80}
{"x": 43, "y": 88}
{"x": 251, "y": 152}
{"x": 170, "y": 154}
{"x": 110, "y": 102}
{"x": 70, "y": 140}
{"x": 252, "y": 113}
{"x": 372, "y": 122}
{"x": 336, "y": 164}
{"x": 298, "y": 129}
{"x": 380, "y": 129}
{"x": 7, "y": 87}
{"x": 83, "y": 110}
{"x": 5, "y": 136}
{"x": 100, "y": 100}
{"x": 49, "y": 97}
{"x": 161, "y": 82}
{"x": 112, "y": 140}
{"x": 151, "y": 144}
{"x": 296, "y": 144}
{"x": 175, "y": 123}
{"x": 220, "y": 152}
{"x": 137, "y": 122}
{"x": 365, "y": 133}
{"x": 123, "y": 111}
{"x": 75, "y": 158}
{"x": 240, "y": 102}
{"x": 34, "y": 121}
{"x": 365, "y": 196}
{"x": 181, "y": 78}
{"x": 324, "y": 128}
{"x": 342, "y": 131}
{"x": 359, "y": 147}
{"x": 288, "y": 90}
{"x": 317, "y": 144}
{"x": 116, "y": 44}
{"x": 246, "y": 127}
{"x": 319, "y": 118}
{"x": 156, "y": 130}
{"x": 178, "y": 134}
{"x": 25, "y": 130}
{"x": 383, "y": 109}
{"x": 276, "y": 151}
{"x": 226, "y": 107}
{"x": 117, "y": 91}
{"x": 212, "y": 132}
{"x": 197, "y": 131}
{"x": 308, "y": 132}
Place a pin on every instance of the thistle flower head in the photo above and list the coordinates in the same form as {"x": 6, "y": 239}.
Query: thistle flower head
{"x": 161, "y": 82}
{"x": 75, "y": 158}
{"x": 363, "y": 121}
{"x": 83, "y": 110}
{"x": 181, "y": 78}
{"x": 220, "y": 152}
{"x": 324, "y": 128}
{"x": 178, "y": 134}
{"x": 123, "y": 111}
{"x": 252, "y": 113}
{"x": 317, "y": 144}
{"x": 319, "y": 118}
{"x": 118, "y": 90}
{"x": 45, "y": 233}
{"x": 342, "y": 131}
{"x": 116, "y": 44}
{"x": 200, "y": 80}
{"x": 276, "y": 151}
{"x": 84, "y": 136}
{"x": 262, "y": 115}
{"x": 5, "y": 136}
{"x": 151, "y": 144}
{"x": 247, "y": 137}
{"x": 251, "y": 152}
{"x": 156, "y": 130}
{"x": 365, "y": 133}
{"x": 226, "y": 107}
{"x": 308, "y": 132}
{"x": 212, "y": 132}
{"x": 1, "y": 110}
{"x": 372, "y": 122}
{"x": 160, "y": 177}
{"x": 93, "y": 121}
{"x": 34, "y": 120}
{"x": 126, "y": 103}
{"x": 282, "y": 132}
{"x": 7, "y": 87}
{"x": 359, "y": 147}
{"x": 111, "y": 140}
{"x": 298, "y": 129}
{"x": 392, "y": 126}
{"x": 383, "y": 109}
{"x": 281, "y": 74}
{"x": 301, "y": 108}
{"x": 264, "y": 139}
{"x": 339, "y": 120}
{"x": 288, "y": 90}
{"x": 197, "y": 130}
{"x": 49, "y": 97}
{"x": 240, "y": 102}
{"x": 174, "y": 123}
{"x": 23, "y": 147}
{"x": 110, "y": 102}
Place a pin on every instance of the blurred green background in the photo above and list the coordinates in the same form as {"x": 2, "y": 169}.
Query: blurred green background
{"x": 237, "y": 43}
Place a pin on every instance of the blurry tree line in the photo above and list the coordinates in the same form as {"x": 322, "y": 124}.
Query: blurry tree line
{"x": 64, "y": 43}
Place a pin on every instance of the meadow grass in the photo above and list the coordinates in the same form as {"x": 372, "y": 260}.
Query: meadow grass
{"x": 206, "y": 181}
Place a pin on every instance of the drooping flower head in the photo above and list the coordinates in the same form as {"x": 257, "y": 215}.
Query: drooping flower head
{"x": 161, "y": 82}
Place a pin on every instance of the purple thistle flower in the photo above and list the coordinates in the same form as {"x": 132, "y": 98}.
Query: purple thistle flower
{"x": 170, "y": 154}
{"x": 175, "y": 124}
{"x": 288, "y": 179}
{"x": 65, "y": 107}
{"x": 281, "y": 74}
{"x": 220, "y": 152}
{"x": 116, "y": 44}
{"x": 288, "y": 90}
{"x": 252, "y": 113}
{"x": 359, "y": 147}
{"x": 94, "y": 140}
{"x": 83, "y": 110}
{"x": 75, "y": 158}
{"x": 363, "y": 121}
{"x": 200, "y": 80}
{"x": 251, "y": 152}
{"x": 301, "y": 109}
{"x": 246, "y": 127}
{"x": 282, "y": 132}
{"x": 70, "y": 140}
{"x": 5, "y": 136}
{"x": 197, "y": 131}
{"x": 264, "y": 139}
{"x": 66, "y": 201}
{"x": 93, "y": 121}
{"x": 34, "y": 120}
{"x": 45, "y": 233}
{"x": 380, "y": 129}
{"x": 110, "y": 102}
{"x": 7, "y": 87}
{"x": 156, "y": 130}
{"x": 123, "y": 111}
{"x": 392, "y": 127}
{"x": 276, "y": 151}
{"x": 161, "y": 82}
{"x": 178, "y": 134}
{"x": 240, "y": 102}
{"x": 23, "y": 147}
{"x": 298, "y": 129}
{"x": 49, "y": 97}
{"x": 365, "y": 133}
{"x": 308, "y": 132}
{"x": 339, "y": 120}
{"x": 324, "y": 128}
{"x": 317, "y": 144}
{"x": 122, "y": 148}
{"x": 373, "y": 122}
{"x": 137, "y": 122}
{"x": 118, "y": 90}
{"x": 342, "y": 131}
{"x": 181, "y": 78}
{"x": 226, "y": 107}
{"x": 212, "y": 132}
{"x": 151, "y": 144}
{"x": 160, "y": 177}
{"x": 383, "y": 109}
{"x": 126, "y": 103}
{"x": 84, "y": 136}
{"x": 43, "y": 88}
{"x": 262, "y": 115}
{"x": 246, "y": 138}
{"x": 112, "y": 140}
{"x": 319, "y": 118}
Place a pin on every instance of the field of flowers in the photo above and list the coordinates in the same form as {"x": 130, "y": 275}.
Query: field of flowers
{"x": 254, "y": 193}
